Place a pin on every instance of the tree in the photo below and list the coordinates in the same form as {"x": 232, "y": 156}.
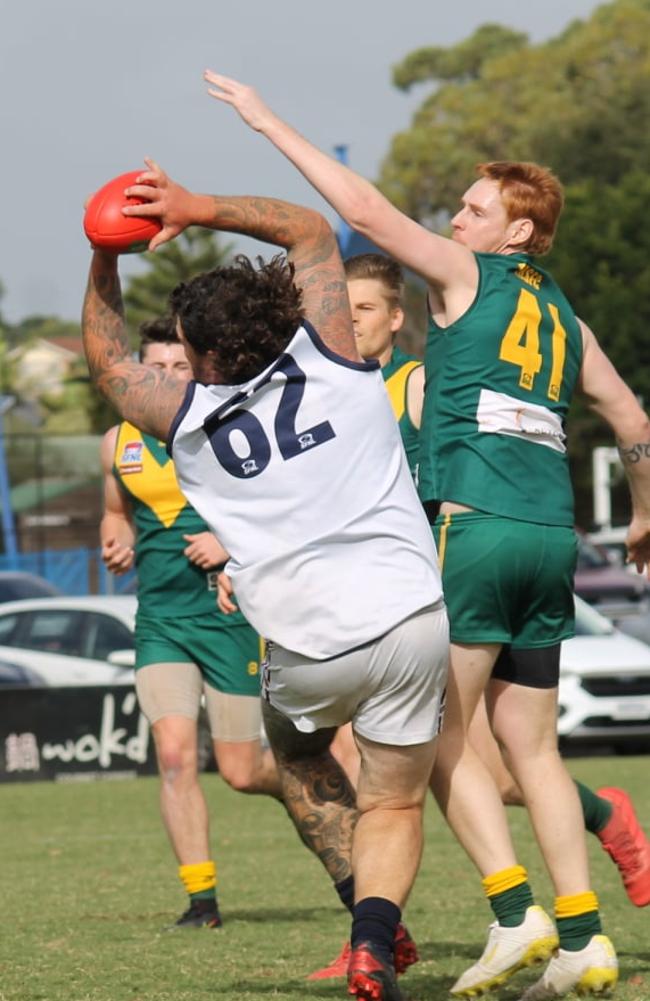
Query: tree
{"x": 579, "y": 103}
{"x": 602, "y": 261}
{"x": 194, "y": 251}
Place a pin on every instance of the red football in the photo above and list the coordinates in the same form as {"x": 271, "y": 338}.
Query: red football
{"x": 108, "y": 229}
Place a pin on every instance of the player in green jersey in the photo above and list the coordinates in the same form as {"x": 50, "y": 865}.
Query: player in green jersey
{"x": 509, "y": 354}
{"x": 375, "y": 287}
{"x": 185, "y": 648}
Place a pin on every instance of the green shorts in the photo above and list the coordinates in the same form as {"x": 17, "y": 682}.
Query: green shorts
{"x": 227, "y": 653}
{"x": 506, "y": 581}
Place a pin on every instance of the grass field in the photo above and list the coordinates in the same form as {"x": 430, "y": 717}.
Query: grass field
{"x": 89, "y": 885}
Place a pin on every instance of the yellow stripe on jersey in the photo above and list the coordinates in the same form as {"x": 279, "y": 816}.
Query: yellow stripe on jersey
{"x": 152, "y": 483}
{"x": 396, "y": 386}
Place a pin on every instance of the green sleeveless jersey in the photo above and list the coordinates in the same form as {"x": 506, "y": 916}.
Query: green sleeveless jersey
{"x": 498, "y": 386}
{"x": 169, "y": 585}
{"x": 396, "y": 374}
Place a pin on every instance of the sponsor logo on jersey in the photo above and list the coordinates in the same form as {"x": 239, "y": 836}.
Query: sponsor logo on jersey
{"x": 529, "y": 275}
{"x": 131, "y": 458}
{"x": 306, "y": 440}
{"x": 249, "y": 466}
{"x": 498, "y": 413}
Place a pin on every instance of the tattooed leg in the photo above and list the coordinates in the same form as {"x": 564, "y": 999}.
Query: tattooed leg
{"x": 315, "y": 790}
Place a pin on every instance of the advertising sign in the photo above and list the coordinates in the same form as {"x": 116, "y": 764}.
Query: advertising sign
{"x": 73, "y": 734}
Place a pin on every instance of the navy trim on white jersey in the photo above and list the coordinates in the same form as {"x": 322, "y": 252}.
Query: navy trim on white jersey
{"x": 318, "y": 342}
{"x": 182, "y": 410}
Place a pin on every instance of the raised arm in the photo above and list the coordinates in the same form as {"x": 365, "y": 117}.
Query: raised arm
{"x": 145, "y": 397}
{"x": 305, "y": 235}
{"x": 611, "y": 398}
{"x": 441, "y": 262}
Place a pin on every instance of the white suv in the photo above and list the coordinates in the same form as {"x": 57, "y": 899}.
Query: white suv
{"x": 604, "y": 693}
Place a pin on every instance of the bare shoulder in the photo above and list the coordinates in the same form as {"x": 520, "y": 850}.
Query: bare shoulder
{"x": 319, "y": 274}
{"x": 588, "y": 336}
{"x": 415, "y": 395}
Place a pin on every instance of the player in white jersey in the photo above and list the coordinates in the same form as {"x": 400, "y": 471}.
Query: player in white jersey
{"x": 286, "y": 441}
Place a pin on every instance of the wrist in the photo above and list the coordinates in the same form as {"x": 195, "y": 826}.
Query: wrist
{"x": 201, "y": 210}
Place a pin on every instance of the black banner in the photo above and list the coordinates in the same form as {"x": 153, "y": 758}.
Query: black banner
{"x": 73, "y": 734}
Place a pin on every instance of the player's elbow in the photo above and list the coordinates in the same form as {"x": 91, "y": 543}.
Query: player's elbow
{"x": 625, "y": 416}
{"x": 632, "y": 428}
{"x": 362, "y": 209}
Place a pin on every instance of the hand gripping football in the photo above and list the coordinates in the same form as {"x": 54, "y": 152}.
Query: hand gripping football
{"x": 105, "y": 225}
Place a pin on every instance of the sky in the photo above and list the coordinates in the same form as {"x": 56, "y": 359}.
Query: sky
{"x": 88, "y": 89}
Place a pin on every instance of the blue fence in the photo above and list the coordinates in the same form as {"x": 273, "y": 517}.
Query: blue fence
{"x": 73, "y": 571}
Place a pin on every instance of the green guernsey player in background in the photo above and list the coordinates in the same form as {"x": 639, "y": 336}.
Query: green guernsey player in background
{"x": 185, "y": 647}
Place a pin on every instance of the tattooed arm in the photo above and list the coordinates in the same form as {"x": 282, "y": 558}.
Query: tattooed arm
{"x": 143, "y": 396}
{"x": 305, "y": 235}
{"x": 614, "y": 401}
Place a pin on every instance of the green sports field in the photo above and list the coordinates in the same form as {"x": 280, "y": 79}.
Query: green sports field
{"x": 89, "y": 885}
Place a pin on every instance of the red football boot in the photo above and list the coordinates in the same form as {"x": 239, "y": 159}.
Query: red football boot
{"x": 370, "y": 976}
{"x": 406, "y": 954}
{"x": 623, "y": 839}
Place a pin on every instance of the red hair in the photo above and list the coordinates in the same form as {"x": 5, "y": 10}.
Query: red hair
{"x": 528, "y": 192}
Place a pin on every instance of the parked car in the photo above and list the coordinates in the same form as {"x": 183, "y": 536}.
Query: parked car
{"x": 604, "y": 695}
{"x": 17, "y": 676}
{"x": 71, "y": 641}
{"x": 17, "y": 584}
{"x": 612, "y": 542}
{"x": 79, "y": 641}
{"x": 608, "y": 585}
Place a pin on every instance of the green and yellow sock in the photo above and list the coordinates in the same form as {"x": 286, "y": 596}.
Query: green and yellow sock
{"x": 596, "y": 810}
{"x": 199, "y": 880}
{"x": 509, "y": 894}
{"x": 577, "y": 920}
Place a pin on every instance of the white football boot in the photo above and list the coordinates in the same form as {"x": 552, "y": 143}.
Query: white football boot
{"x": 592, "y": 970}
{"x": 509, "y": 950}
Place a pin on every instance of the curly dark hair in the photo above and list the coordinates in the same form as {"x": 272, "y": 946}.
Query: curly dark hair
{"x": 244, "y": 315}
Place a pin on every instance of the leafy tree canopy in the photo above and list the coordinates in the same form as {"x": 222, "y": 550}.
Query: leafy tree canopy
{"x": 579, "y": 103}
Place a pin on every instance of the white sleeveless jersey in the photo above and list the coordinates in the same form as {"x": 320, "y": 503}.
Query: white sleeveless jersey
{"x": 302, "y": 475}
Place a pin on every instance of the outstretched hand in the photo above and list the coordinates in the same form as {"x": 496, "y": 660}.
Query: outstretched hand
{"x": 163, "y": 198}
{"x": 243, "y": 99}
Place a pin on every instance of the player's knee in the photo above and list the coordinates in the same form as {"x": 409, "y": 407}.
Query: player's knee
{"x": 176, "y": 762}
{"x": 402, "y": 802}
{"x": 239, "y": 776}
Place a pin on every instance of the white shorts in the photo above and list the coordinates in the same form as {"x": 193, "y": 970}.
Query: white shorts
{"x": 391, "y": 689}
